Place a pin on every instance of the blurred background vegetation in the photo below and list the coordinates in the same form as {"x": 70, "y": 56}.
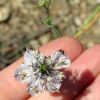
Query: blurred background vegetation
{"x": 20, "y": 25}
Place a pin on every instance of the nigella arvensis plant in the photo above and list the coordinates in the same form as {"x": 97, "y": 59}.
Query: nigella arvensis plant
{"x": 42, "y": 73}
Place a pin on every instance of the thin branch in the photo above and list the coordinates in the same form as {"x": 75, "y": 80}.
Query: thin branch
{"x": 89, "y": 22}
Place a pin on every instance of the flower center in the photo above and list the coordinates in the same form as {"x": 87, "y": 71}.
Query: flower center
{"x": 43, "y": 68}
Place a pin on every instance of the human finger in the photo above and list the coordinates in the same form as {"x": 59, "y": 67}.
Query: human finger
{"x": 17, "y": 90}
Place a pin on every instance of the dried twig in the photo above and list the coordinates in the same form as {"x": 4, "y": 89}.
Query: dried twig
{"x": 89, "y": 22}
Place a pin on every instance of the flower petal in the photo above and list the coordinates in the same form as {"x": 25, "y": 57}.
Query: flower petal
{"x": 59, "y": 60}
{"x": 54, "y": 82}
{"x": 41, "y": 58}
{"x": 29, "y": 57}
{"x": 33, "y": 57}
{"x": 36, "y": 87}
{"x": 24, "y": 73}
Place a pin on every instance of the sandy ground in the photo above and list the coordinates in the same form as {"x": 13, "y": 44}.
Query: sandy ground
{"x": 20, "y": 26}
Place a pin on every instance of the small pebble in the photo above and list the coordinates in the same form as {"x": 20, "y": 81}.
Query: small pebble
{"x": 3, "y": 2}
{"x": 45, "y": 38}
{"x": 34, "y": 44}
{"x": 90, "y": 44}
{"x": 77, "y": 21}
{"x": 5, "y": 12}
{"x": 98, "y": 1}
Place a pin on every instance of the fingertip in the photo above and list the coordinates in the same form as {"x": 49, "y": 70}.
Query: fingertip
{"x": 75, "y": 46}
{"x": 71, "y": 46}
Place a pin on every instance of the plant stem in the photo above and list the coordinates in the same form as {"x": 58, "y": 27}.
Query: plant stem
{"x": 56, "y": 32}
{"x": 48, "y": 21}
{"x": 54, "y": 28}
{"x": 88, "y": 23}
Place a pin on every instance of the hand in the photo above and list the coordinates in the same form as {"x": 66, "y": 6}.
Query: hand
{"x": 82, "y": 78}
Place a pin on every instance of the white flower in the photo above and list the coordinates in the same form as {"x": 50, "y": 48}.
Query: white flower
{"x": 41, "y": 72}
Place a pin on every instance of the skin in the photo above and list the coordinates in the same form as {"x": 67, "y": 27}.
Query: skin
{"x": 82, "y": 77}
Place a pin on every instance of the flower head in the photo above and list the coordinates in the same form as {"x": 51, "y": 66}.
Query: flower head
{"x": 41, "y": 72}
{"x": 44, "y": 3}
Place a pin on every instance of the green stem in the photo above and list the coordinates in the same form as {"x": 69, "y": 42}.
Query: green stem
{"x": 56, "y": 32}
{"x": 88, "y": 22}
{"x": 54, "y": 28}
{"x": 97, "y": 10}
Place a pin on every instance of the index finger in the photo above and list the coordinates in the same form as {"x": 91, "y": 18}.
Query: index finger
{"x": 10, "y": 89}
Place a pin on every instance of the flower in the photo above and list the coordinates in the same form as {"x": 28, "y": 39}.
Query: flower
{"x": 44, "y": 3}
{"x": 41, "y": 72}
